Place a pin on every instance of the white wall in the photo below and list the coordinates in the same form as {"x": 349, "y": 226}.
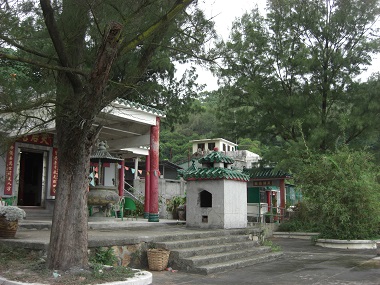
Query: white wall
{"x": 167, "y": 189}
{"x": 235, "y": 204}
{"x": 218, "y": 143}
{"x": 229, "y": 204}
{"x": 109, "y": 174}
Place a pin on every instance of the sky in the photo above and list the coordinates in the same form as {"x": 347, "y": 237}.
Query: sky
{"x": 224, "y": 12}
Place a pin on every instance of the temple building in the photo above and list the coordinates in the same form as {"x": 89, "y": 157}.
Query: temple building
{"x": 29, "y": 167}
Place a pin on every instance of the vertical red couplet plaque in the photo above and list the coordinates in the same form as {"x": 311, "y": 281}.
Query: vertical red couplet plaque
{"x": 10, "y": 162}
{"x": 54, "y": 171}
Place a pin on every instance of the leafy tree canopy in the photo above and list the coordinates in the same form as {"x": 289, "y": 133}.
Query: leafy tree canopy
{"x": 290, "y": 75}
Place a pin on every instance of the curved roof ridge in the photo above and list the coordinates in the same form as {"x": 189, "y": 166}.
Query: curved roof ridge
{"x": 216, "y": 156}
{"x": 139, "y": 106}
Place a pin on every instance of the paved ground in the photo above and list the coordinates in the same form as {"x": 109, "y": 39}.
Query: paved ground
{"x": 302, "y": 263}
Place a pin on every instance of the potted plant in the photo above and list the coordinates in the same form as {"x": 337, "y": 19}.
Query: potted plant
{"x": 182, "y": 212}
{"x": 173, "y": 204}
{"x": 9, "y": 217}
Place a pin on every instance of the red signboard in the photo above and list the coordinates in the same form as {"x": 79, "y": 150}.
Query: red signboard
{"x": 10, "y": 162}
{"x": 40, "y": 139}
{"x": 262, "y": 183}
{"x": 54, "y": 171}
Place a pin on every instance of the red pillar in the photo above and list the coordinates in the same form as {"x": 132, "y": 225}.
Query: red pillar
{"x": 147, "y": 187}
{"x": 154, "y": 171}
{"x": 121, "y": 179}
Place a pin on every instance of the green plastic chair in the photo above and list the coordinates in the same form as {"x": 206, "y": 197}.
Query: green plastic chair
{"x": 89, "y": 210}
{"x": 130, "y": 208}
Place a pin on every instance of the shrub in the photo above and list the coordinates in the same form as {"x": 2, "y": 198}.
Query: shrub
{"x": 301, "y": 220}
{"x": 104, "y": 256}
{"x": 343, "y": 194}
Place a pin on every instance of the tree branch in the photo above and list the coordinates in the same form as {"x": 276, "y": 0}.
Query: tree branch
{"x": 21, "y": 47}
{"x": 25, "y": 107}
{"x": 42, "y": 65}
{"x": 106, "y": 54}
{"x": 178, "y": 7}
{"x": 54, "y": 33}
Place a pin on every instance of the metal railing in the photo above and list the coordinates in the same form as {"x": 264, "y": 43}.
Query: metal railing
{"x": 276, "y": 214}
{"x": 262, "y": 215}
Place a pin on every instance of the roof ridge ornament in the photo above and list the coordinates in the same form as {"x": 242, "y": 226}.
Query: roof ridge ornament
{"x": 102, "y": 153}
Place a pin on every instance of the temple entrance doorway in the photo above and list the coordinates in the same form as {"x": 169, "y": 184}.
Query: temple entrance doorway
{"x": 31, "y": 178}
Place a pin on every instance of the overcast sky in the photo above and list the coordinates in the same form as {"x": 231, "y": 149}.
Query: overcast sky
{"x": 224, "y": 12}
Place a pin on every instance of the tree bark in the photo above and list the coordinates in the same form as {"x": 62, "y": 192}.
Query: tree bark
{"x": 68, "y": 239}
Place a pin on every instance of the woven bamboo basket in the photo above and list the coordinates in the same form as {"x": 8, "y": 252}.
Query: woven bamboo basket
{"x": 158, "y": 259}
{"x": 7, "y": 229}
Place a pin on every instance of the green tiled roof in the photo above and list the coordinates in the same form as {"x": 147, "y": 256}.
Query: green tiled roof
{"x": 140, "y": 107}
{"x": 181, "y": 172}
{"x": 214, "y": 174}
{"x": 258, "y": 173}
{"x": 216, "y": 156}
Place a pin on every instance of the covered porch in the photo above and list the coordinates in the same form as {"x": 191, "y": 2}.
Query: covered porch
{"x": 29, "y": 167}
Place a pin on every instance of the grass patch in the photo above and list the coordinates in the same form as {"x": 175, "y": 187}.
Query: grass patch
{"x": 274, "y": 247}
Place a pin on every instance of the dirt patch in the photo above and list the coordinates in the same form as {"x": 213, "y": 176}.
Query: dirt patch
{"x": 28, "y": 266}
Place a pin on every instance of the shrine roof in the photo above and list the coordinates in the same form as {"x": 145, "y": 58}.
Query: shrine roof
{"x": 214, "y": 174}
{"x": 265, "y": 173}
{"x": 216, "y": 156}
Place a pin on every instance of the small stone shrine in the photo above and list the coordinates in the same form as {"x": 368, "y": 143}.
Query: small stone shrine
{"x": 216, "y": 195}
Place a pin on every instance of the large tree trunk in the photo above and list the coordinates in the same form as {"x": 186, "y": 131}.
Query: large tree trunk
{"x": 68, "y": 240}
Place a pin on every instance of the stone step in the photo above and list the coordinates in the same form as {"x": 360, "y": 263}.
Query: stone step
{"x": 35, "y": 213}
{"x": 216, "y": 251}
{"x": 201, "y": 234}
{"x": 205, "y": 250}
{"x": 220, "y": 257}
{"x": 237, "y": 263}
{"x": 197, "y": 242}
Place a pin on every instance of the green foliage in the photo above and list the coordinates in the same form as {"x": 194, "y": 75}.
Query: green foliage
{"x": 300, "y": 220}
{"x": 200, "y": 124}
{"x": 139, "y": 208}
{"x": 7, "y": 252}
{"x": 175, "y": 202}
{"x": 274, "y": 247}
{"x": 104, "y": 256}
{"x": 120, "y": 272}
{"x": 342, "y": 191}
{"x": 291, "y": 75}
{"x": 251, "y": 145}
{"x": 174, "y": 146}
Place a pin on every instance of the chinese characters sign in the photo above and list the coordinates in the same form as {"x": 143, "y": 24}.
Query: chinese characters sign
{"x": 10, "y": 162}
{"x": 40, "y": 139}
{"x": 262, "y": 183}
{"x": 54, "y": 171}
